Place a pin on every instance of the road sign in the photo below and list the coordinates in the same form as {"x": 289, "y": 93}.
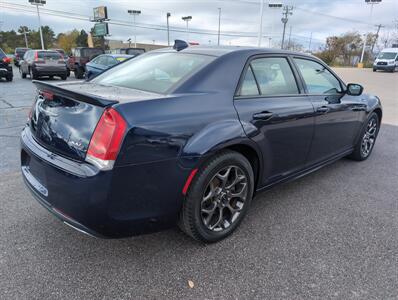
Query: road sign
{"x": 101, "y": 29}
{"x": 100, "y": 13}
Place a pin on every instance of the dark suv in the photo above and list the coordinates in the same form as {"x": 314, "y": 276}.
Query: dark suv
{"x": 80, "y": 56}
{"x": 19, "y": 53}
{"x": 5, "y": 66}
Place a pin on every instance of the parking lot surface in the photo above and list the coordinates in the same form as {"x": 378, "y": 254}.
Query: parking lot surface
{"x": 330, "y": 235}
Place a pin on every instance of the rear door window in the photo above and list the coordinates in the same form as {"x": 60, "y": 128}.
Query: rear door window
{"x": 274, "y": 76}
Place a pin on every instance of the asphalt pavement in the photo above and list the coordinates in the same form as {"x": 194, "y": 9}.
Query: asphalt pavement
{"x": 330, "y": 235}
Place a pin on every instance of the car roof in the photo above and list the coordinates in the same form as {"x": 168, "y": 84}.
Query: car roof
{"x": 222, "y": 50}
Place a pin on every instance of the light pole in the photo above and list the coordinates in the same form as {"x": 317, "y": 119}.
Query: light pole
{"x": 134, "y": 13}
{"x": 39, "y": 3}
{"x": 219, "y": 26}
{"x": 371, "y": 2}
{"x": 168, "y": 28}
{"x": 187, "y": 19}
{"x": 260, "y": 29}
{"x": 273, "y": 6}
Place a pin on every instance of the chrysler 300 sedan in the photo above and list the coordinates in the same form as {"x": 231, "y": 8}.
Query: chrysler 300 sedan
{"x": 188, "y": 137}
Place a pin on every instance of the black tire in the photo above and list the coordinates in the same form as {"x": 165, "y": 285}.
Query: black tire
{"x": 33, "y": 74}
{"x": 68, "y": 73}
{"x": 192, "y": 221}
{"x": 51, "y": 77}
{"x": 359, "y": 153}
{"x": 9, "y": 77}
{"x": 374, "y": 70}
{"x": 64, "y": 77}
{"x": 23, "y": 75}
{"x": 79, "y": 72}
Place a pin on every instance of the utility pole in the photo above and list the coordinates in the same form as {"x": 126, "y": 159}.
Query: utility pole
{"x": 309, "y": 46}
{"x": 26, "y": 39}
{"x": 168, "y": 28}
{"x": 187, "y": 19}
{"x": 287, "y": 10}
{"x": 371, "y": 2}
{"x": 39, "y": 3}
{"x": 260, "y": 29}
{"x": 134, "y": 13}
{"x": 290, "y": 35}
{"x": 377, "y": 36}
{"x": 219, "y": 26}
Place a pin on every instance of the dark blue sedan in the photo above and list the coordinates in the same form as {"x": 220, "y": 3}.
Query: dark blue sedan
{"x": 104, "y": 62}
{"x": 188, "y": 137}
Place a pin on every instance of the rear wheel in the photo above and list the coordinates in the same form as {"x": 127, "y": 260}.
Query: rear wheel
{"x": 23, "y": 74}
{"x": 367, "y": 139}
{"x": 374, "y": 70}
{"x": 218, "y": 198}
{"x": 63, "y": 77}
{"x": 79, "y": 72}
{"x": 33, "y": 74}
{"x": 9, "y": 77}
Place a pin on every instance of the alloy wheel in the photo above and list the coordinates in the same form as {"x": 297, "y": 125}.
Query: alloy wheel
{"x": 369, "y": 137}
{"x": 224, "y": 198}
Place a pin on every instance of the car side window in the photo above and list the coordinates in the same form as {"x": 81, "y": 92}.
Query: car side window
{"x": 249, "y": 85}
{"x": 111, "y": 61}
{"x": 274, "y": 76}
{"x": 317, "y": 78}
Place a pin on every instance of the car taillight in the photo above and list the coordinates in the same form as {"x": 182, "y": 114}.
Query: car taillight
{"x": 106, "y": 140}
{"x": 7, "y": 60}
{"x": 47, "y": 95}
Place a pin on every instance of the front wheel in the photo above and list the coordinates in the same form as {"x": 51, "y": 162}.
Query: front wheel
{"x": 218, "y": 198}
{"x": 367, "y": 139}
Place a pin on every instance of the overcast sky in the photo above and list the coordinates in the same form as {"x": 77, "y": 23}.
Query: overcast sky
{"x": 239, "y": 19}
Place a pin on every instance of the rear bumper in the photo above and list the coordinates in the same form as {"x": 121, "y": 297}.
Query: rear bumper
{"x": 112, "y": 204}
{"x": 53, "y": 71}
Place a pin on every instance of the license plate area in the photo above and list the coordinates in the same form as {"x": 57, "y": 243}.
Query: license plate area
{"x": 31, "y": 170}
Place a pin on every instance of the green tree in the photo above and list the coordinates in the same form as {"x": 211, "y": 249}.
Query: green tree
{"x": 81, "y": 40}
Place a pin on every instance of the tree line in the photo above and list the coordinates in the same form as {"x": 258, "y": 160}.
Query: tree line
{"x": 9, "y": 40}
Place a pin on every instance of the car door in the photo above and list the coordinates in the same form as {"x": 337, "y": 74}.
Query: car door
{"x": 336, "y": 113}
{"x": 276, "y": 114}
{"x": 23, "y": 62}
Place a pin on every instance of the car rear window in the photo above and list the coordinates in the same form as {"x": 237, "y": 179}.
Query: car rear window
{"x": 21, "y": 51}
{"x": 49, "y": 55}
{"x": 91, "y": 52}
{"x": 154, "y": 72}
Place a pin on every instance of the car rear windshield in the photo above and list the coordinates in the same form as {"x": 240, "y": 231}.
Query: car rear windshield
{"x": 387, "y": 55}
{"x": 49, "y": 55}
{"x": 154, "y": 72}
{"x": 21, "y": 51}
{"x": 91, "y": 52}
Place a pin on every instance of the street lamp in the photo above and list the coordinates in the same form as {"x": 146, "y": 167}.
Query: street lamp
{"x": 39, "y": 3}
{"x": 273, "y": 6}
{"x": 168, "y": 28}
{"x": 219, "y": 26}
{"x": 187, "y": 19}
{"x": 134, "y": 13}
{"x": 371, "y": 2}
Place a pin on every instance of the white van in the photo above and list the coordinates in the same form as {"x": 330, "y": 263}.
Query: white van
{"x": 386, "y": 60}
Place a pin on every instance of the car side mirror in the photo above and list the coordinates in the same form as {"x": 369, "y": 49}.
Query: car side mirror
{"x": 354, "y": 89}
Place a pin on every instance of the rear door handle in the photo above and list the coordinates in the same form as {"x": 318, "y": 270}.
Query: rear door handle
{"x": 323, "y": 109}
{"x": 265, "y": 115}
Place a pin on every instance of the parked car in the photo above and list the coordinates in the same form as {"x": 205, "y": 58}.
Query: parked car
{"x": 129, "y": 51}
{"x": 19, "y": 53}
{"x": 189, "y": 137}
{"x": 38, "y": 63}
{"x": 5, "y": 66}
{"x": 80, "y": 57}
{"x": 65, "y": 57}
{"x": 104, "y": 62}
{"x": 387, "y": 60}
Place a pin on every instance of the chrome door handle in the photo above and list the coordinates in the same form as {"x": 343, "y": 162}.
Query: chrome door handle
{"x": 265, "y": 115}
{"x": 323, "y": 109}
